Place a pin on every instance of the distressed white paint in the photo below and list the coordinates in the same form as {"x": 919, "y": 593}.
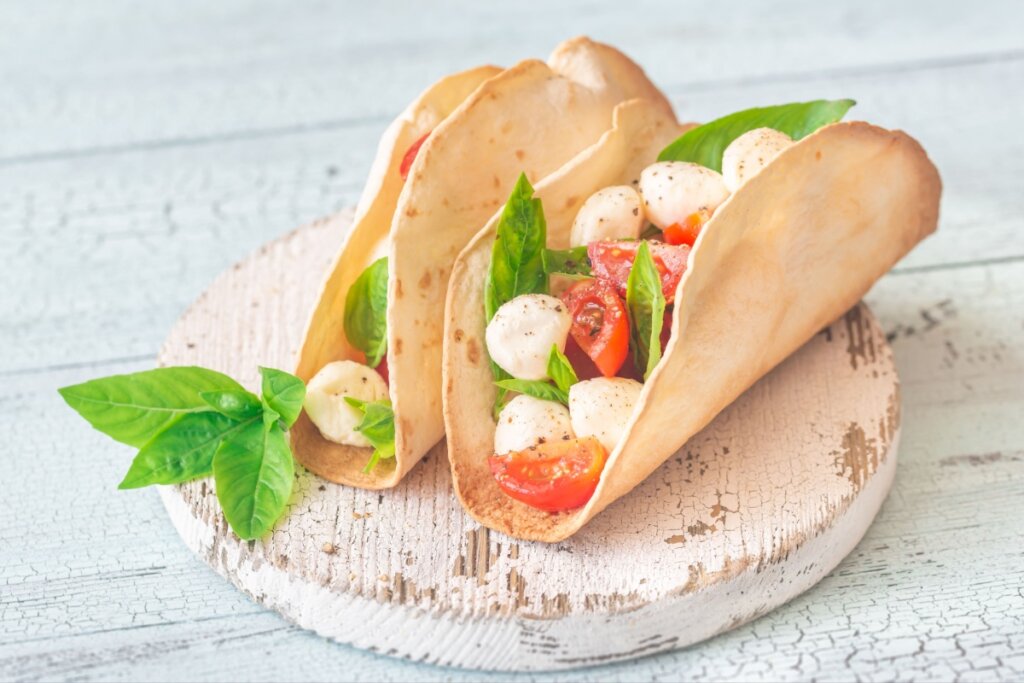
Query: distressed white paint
{"x": 145, "y": 149}
{"x": 754, "y": 510}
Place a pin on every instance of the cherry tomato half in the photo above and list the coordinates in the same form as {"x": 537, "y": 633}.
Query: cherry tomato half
{"x": 687, "y": 231}
{"x": 410, "y": 156}
{"x": 599, "y": 324}
{"x": 612, "y": 261}
{"x": 553, "y": 476}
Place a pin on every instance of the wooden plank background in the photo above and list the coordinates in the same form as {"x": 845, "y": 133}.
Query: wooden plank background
{"x": 145, "y": 147}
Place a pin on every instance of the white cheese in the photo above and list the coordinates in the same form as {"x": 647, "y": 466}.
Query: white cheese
{"x": 749, "y": 153}
{"x": 325, "y": 399}
{"x": 522, "y": 332}
{"x": 601, "y": 407}
{"x": 672, "y": 190}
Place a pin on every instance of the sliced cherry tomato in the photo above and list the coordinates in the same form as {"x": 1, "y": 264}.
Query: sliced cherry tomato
{"x": 687, "y": 231}
{"x": 612, "y": 261}
{"x": 553, "y": 476}
{"x": 410, "y": 156}
{"x": 599, "y": 324}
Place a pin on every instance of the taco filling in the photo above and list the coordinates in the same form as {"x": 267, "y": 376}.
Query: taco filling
{"x": 573, "y": 334}
{"x": 348, "y": 400}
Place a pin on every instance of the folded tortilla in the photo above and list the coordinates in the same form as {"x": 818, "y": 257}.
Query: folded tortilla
{"x": 487, "y": 128}
{"x": 789, "y": 252}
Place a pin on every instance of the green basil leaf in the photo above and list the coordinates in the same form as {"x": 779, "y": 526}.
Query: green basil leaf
{"x": 238, "y": 405}
{"x": 560, "y": 370}
{"x": 499, "y": 399}
{"x": 134, "y": 408}
{"x": 646, "y": 304}
{"x": 567, "y": 261}
{"x": 705, "y": 144}
{"x": 283, "y": 393}
{"x": 254, "y": 472}
{"x": 366, "y": 306}
{"x": 182, "y": 452}
{"x": 535, "y": 388}
{"x": 517, "y": 259}
{"x": 378, "y": 426}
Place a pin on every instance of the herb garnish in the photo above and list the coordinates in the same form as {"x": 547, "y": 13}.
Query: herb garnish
{"x": 561, "y": 373}
{"x": 378, "y": 426}
{"x": 705, "y": 144}
{"x": 646, "y": 304}
{"x": 366, "y": 306}
{"x": 191, "y": 422}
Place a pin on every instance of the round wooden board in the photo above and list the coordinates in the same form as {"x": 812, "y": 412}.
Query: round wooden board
{"x": 751, "y": 512}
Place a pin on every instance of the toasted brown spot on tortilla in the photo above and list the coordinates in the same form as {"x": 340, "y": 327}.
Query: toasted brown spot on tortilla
{"x": 411, "y": 212}
{"x": 398, "y": 289}
{"x": 520, "y": 154}
{"x": 571, "y": 202}
{"x": 459, "y": 335}
{"x": 473, "y": 351}
{"x": 817, "y": 155}
{"x": 425, "y": 280}
{"x": 398, "y": 346}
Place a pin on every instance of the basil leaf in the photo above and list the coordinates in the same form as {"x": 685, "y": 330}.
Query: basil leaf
{"x": 499, "y": 399}
{"x": 134, "y": 408}
{"x": 517, "y": 259}
{"x": 567, "y": 261}
{"x": 560, "y": 370}
{"x": 366, "y": 306}
{"x": 233, "y": 403}
{"x": 378, "y": 426}
{"x": 254, "y": 472}
{"x": 283, "y": 393}
{"x": 646, "y": 304}
{"x": 705, "y": 144}
{"x": 182, "y": 452}
{"x": 535, "y": 388}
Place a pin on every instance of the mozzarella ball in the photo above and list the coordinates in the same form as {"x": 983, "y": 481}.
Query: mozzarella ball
{"x": 527, "y": 421}
{"x": 608, "y": 214}
{"x": 672, "y": 190}
{"x": 749, "y": 153}
{"x": 522, "y": 332}
{"x": 325, "y": 399}
{"x": 601, "y": 408}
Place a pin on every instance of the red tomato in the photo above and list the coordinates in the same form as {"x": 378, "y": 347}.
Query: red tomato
{"x": 599, "y": 324}
{"x": 553, "y": 476}
{"x": 382, "y": 368}
{"x": 410, "y": 156}
{"x": 612, "y": 261}
{"x": 687, "y": 231}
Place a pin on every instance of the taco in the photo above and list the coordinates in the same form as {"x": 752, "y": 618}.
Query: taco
{"x": 371, "y": 354}
{"x": 595, "y": 325}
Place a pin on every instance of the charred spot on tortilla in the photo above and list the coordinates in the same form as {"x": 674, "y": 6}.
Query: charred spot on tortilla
{"x": 459, "y": 335}
{"x": 520, "y": 154}
{"x": 411, "y": 212}
{"x": 425, "y": 280}
{"x": 473, "y": 351}
{"x": 398, "y": 346}
{"x": 398, "y": 289}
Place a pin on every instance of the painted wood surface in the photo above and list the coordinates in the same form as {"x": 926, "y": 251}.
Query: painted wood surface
{"x": 754, "y": 510}
{"x": 146, "y": 148}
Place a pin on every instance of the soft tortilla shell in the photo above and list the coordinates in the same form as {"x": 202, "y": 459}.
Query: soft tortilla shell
{"x": 531, "y": 118}
{"x": 789, "y": 252}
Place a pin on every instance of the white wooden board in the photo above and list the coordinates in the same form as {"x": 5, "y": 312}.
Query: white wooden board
{"x": 754, "y": 510}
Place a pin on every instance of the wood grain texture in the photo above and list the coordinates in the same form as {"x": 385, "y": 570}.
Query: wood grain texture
{"x": 754, "y": 510}
{"x": 145, "y": 149}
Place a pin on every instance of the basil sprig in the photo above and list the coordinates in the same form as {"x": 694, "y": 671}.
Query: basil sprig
{"x": 705, "y": 144}
{"x": 366, "y": 305}
{"x": 646, "y": 304}
{"x": 191, "y": 422}
{"x": 561, "y": 373}
{"x": 517, "y": 258}
{"x": 573, "y": 262}
{"x": 378, "y": 426}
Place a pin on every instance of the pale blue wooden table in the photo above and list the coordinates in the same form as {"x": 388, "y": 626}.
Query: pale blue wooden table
{"x": 145, "y": 147}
